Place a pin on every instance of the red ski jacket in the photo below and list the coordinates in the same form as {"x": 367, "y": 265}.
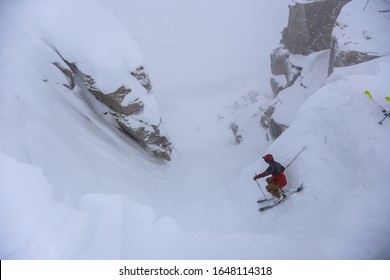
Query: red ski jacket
{"x": 277, "y": 175}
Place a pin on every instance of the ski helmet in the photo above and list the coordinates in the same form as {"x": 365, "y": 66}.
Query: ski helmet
{"x": 268, "y": 157}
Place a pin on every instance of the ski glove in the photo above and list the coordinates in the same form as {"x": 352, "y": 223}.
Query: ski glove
{"x": 260, "y": 175}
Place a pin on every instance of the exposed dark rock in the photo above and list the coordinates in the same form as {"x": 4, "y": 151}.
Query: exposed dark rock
{"x": 147, "y": 135}
{"x": 310, "y": 25}
{"x": 276, "y": 86}
{"x": 68, "y": 74}
{"x": 276, "y": 129}
{"x": 291, "y": 74}
{"x": 309, "y": 30}
{"x": 279, "y": 61}
{"x": 143, "y": 78}
{"x": 237, "y": 137}
{"x": 114, "y": 99}
{"x": 341, "y": 58}
{"x": 266, "y": 117}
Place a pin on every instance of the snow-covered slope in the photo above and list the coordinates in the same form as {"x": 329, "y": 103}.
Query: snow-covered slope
{"x": 371, "y": 36}
{"x": 73, "y": 188}
{"x": 344, "y": 167}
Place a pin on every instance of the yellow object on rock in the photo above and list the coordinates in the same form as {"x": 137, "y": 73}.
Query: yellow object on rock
{"x": 368, "y": 93}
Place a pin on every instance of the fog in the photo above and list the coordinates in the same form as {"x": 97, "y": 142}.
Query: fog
{"x": 195, "y": 42}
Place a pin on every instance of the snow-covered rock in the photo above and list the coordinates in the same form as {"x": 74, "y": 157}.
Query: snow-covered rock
{"x": 99, "y": 58}
{"x": 309, "y": 30}
{"x": 284, "y": 71}
{"x": 123, "y": 104}
{"x": 311, "y": 73}
{"x": 339, "y": 126}
{"x": 353, "y": 42}
{"x": 73, "y": 188}
{"x": 323, "y": 35}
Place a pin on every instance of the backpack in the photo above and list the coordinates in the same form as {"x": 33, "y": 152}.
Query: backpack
{"x": 278, "y": 168}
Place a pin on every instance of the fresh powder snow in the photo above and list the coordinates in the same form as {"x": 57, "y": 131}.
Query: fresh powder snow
{"x": 74, "y": 188}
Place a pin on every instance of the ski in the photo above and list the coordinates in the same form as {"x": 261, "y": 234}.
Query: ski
{"x": 265, "y": 200}
{"x": 287, "y": 194}
{"x": 272, "y": 205}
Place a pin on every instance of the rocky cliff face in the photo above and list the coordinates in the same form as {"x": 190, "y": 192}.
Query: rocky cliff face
{"x": 340, "y": 58}
{"x": 124, "y": 106}
{"x": 319, "y": 25}
{"x": 310, "y": 26}
{"x": 354, "y": 42}
{"x": 344, "y": 30}
{"x": 309, "y": 30}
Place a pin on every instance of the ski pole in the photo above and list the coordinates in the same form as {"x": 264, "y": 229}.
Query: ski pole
{"x": 260, "y": 188}
{"x": 295, "y": 157}
{"x": 387, "y": 115}
{"x": 366, "y": 5}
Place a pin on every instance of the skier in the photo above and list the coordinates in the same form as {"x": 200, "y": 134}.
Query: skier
{"x": 277, "y": 181}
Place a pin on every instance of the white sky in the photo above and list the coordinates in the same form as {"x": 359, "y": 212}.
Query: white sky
{"x": 200, "y": 41}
